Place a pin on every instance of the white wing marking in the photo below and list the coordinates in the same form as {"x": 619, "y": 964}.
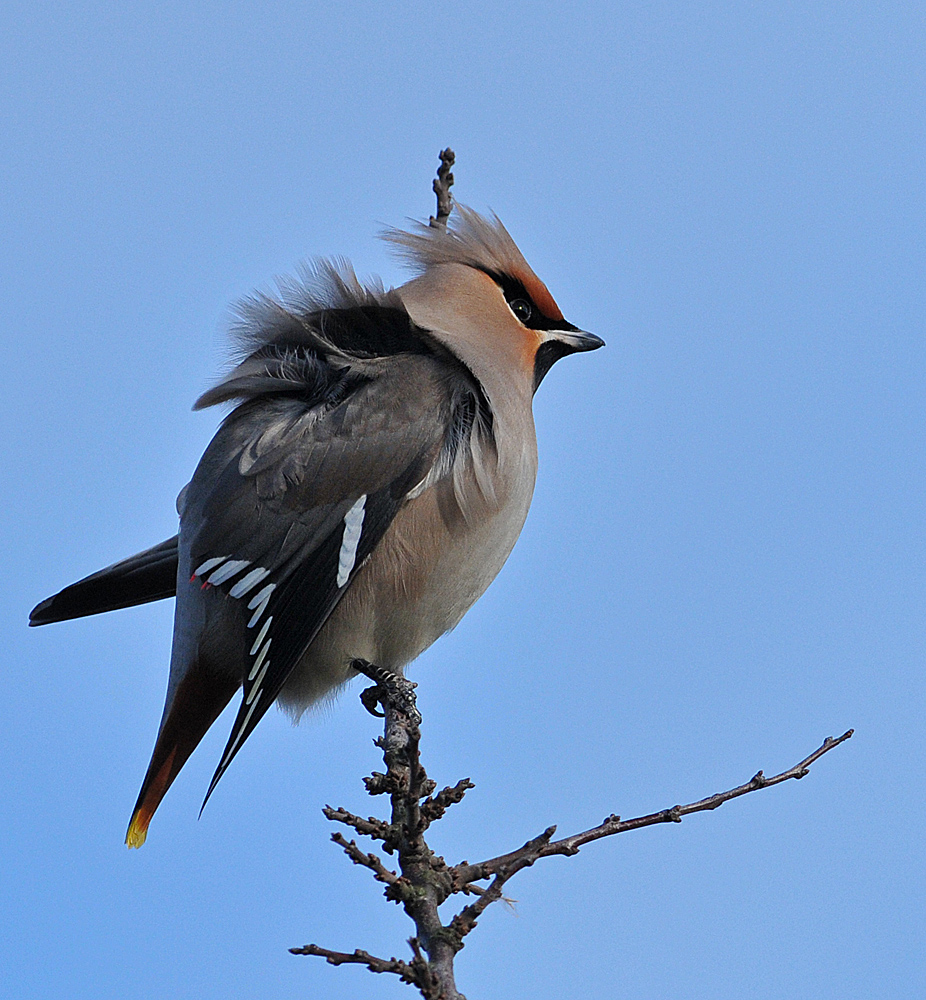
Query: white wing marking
{"x": 259, "y": 660}
{"x": 353, "y": 526}
{"x": 259, "y": 601}
{"x": 256, "y": 689}
{"x": 249, "y": 581}
{"x": 260, "y": 635}
{"x": 209, "y": 564}
{"x": 230, "y": 568}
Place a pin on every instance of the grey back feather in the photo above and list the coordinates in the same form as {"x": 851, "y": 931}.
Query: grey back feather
{"x": 278, "y": 339}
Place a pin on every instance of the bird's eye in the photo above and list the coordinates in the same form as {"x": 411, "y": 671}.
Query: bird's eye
{"x": 521, "y": 308}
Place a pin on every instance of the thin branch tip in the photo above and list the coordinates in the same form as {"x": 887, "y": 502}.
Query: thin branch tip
{"x": 441, "y": 187}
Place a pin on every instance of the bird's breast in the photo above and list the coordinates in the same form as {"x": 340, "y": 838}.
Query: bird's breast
{"x": 441, "y": 552}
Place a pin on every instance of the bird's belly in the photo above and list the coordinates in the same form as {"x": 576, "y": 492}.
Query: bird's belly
{"x": 418, "y": 583}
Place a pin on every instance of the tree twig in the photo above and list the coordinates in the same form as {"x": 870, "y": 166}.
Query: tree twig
{"x": 359, "y": 957}
{"x": 425, "y": 880}
{"x": 380, "y": 872}
{"x": 614, "y": 824}
{"x": 375, "y": 828}
{"x": 442, "y": 184}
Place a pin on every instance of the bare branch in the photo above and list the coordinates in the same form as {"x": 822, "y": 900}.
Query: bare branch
{"x": 465, "y": 920}
{"x": 375, "y": 828}
{"x": 433, "y": 809}
{"x": 426, "y": 881}
{"x": 614, "y": 824}
{"x": 380, "y": 872}
{"x": 442, "y": 184}
{"x": 359, "y": 957}
{"x": 463, "y": 874}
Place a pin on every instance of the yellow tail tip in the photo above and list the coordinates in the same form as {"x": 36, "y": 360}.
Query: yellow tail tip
{"x": 138, "y": 831}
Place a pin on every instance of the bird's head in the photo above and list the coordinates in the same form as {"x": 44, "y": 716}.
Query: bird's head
{"x": 479, "y": 296}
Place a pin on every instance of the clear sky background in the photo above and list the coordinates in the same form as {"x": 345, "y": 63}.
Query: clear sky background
{"x": 725, "y": 558}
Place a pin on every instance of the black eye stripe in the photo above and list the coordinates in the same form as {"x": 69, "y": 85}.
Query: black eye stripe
{"x": 514, "y": 290}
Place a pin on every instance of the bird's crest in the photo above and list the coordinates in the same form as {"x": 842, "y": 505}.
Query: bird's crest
{"x": 477, "y": 241}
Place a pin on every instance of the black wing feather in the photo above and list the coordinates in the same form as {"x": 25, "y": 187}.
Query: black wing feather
{"x": 299, "y": 608}
{"x": 149, "y": 576}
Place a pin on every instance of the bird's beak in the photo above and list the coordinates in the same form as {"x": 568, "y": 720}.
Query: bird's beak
{"x": 577, "y": 340}
{"x": 556, "y": 344}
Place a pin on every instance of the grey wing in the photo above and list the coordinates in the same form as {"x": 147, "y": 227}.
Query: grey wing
{"x": 289, "y": 500}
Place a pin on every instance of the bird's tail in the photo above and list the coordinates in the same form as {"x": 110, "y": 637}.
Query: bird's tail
{"x": 149, "y": 576}
{"x": 191, "y": 709}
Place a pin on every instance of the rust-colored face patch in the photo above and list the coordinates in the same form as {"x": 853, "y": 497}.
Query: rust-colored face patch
{"x": 529, "y": 299}
{"x": 539, "y": 292}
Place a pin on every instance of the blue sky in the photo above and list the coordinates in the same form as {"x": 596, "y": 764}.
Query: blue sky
{"x": 723, "y": 563}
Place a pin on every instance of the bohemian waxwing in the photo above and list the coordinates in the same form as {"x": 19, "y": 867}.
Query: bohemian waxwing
{"x": 366, "y": 488}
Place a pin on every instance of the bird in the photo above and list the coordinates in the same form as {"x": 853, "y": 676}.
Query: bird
{"x": 368, "y": 483}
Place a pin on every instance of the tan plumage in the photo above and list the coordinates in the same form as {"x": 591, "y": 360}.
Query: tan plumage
{"x": 365, "y": 490}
